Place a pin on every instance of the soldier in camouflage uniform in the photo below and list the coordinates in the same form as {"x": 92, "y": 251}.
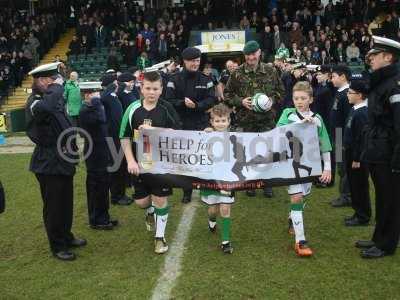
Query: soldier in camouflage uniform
{"x": 250, "y": 78}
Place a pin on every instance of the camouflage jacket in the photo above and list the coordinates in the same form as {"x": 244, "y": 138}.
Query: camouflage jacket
{"x": 245, "y": 82}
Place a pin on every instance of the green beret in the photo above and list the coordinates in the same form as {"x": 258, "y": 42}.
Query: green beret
{"x": 250, "y": 47}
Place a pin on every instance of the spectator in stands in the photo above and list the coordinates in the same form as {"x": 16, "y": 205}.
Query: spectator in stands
{"x": 267, "y": 44}
{"x": 279, "y": 37}
{"x": 340, "y": 53}
{"x": 85, "y": 46}
{"x": 174, "y": 49}
{"x": 365, "y": 45}
{"x": 308, "y": 59}
{"x": 353, "y": 53}
{"x": 140, "y": 43}
{"x": 101, "y": 34}
{"x": 211, "y": 73}
{"x": 146, "y": 33}
{"x": 129, "y": 54}
{"x": 316, "y": 56}
{"x": 282, "y": 51}
{"x": 28, "y": 53}
{"x": 151, "y": 51}
{"x": 298, "y": 55}
{"x": 112, "y": 60}
{"x": 296, "y": 35}
{"x": 72, "y": 96}
{"x": 143, "y": 61}
{"x": 74, "y": 46}
{"x": 162, "y": 48}
{"x": 325, "y": 59}
{"x": 390, "y": 26}
{"x": 114, "y": 40}
{"x": 244, "y": 23}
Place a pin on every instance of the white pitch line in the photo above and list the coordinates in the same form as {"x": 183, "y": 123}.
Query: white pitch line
{"x": 173, "y": 260}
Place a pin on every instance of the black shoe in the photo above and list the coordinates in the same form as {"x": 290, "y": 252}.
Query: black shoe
{"x": 355, "y": 222}
{"x": 64, "y": 255}
{"x": 125, "y": 200}
{"x": 186, "y": 199}
{"x": 363, "y": 244}
{"x": 341, "y": 202}
{"x": 373, "y": 252}
{"x": 227, "y": 248}
{"x": 108, "y": 226}
{"x": 77, "y": 243}
{"x": 212, "y": 229}
{"x": 251, "y": 193}
{"x": 348, "y": 217}
{"x": 268, "y": 193}
{"x": 114, "y": 222}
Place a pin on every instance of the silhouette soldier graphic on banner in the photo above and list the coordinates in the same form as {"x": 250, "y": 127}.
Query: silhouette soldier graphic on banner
{"x": 239, "y": 153}
{"x": 296, "y": 149}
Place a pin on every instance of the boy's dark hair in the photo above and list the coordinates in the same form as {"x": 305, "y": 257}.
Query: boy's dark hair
{"x": 152, "y": 76}
{"x": 342, "y": 70}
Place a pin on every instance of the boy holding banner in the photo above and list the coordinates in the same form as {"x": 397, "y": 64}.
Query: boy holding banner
{"x": 219, "y": 201}
{"x": 302, "y": 99}
{"x": 147, "y": 113}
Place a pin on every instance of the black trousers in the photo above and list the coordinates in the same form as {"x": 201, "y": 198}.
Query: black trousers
{"x": 97, "y": 186}
{"x": 2, "y": 199}
{"x": 359, "y": 189}
{"x": 118, "y": 182}
{"x": 57, "y": 196}
{"x": 387, "y": 191}
{"x": 344, "y": 186}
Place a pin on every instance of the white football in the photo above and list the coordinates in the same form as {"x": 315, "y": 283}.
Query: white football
{"x": 261, "y": 102}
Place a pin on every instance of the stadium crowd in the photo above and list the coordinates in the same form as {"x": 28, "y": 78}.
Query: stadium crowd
{"x": 24, "y": 40}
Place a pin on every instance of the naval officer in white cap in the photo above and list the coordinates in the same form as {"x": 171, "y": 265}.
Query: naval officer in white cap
{"x": 53, "y": 159}
{"x": 382, "y": 148}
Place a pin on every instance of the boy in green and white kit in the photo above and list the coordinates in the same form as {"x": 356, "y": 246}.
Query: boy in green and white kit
{"x": 302, "y": 98}
{"x": 219, "y": 201}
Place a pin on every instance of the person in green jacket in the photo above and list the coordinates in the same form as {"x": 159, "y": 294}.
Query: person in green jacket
{"x": 72, "y": 96}
{"x": 143, "y": 61}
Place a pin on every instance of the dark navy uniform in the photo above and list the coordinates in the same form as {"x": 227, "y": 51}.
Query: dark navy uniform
{"x": 127, "y": 98}
{"x": 337, "y": 119}
{"x": 200, "y": 89}
{"x": 382, "y": 153}
{"x": 97, "y": 181}
{"x": 358, "y": 178}
{"x": 119, "y": 177}
{"x": 197, "y": 87}
{"x": 322, "y": 104}
{"x": 53, "y": 166}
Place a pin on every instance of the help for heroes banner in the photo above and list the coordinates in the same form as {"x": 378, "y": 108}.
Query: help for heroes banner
{"x": 230, "y": 160}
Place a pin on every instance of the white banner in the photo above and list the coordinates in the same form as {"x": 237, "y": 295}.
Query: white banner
{"x": 284, "y": 155}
